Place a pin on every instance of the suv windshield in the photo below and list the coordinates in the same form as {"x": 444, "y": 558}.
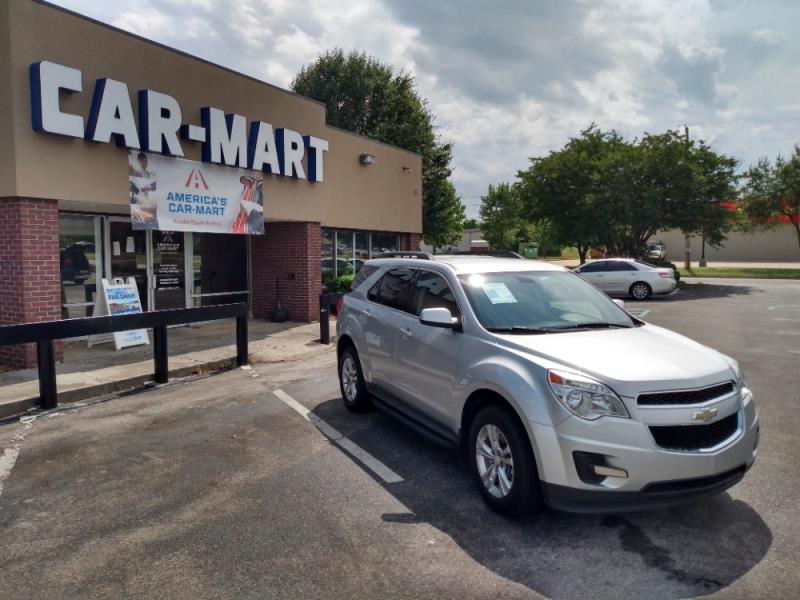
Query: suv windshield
{"x": 540, "y": 302}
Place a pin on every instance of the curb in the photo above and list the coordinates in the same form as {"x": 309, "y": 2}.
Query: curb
{"x": 22, "y": 405}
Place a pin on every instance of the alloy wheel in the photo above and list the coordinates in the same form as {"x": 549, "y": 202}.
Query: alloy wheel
{"x": 495, "y": 462}
{"x": 349, "y": 378}
{"x": 640, "y": 291}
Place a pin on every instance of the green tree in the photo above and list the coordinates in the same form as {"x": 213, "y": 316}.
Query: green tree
{"x": 601, "y": 190}
{"x": 562, "y": 188}
{"x": 772, "y": 193}
{"x": 501, "y": 217}
{"x": 471, "y": 224}
{"x": 367, "y": 97}
{"x": 444, "y": 215}
{"x": 664, "y": 182}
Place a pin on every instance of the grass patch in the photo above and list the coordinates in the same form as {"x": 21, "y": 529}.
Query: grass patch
{"x": 746, "y": 272}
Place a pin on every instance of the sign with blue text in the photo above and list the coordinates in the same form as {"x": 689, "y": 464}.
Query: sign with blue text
{"x": 173, "y": 194}
{"x": 119, "y": 297}
{"x": 158, "y": 126}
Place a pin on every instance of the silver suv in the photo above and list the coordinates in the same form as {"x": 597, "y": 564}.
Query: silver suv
{"x": 555, "y": 393}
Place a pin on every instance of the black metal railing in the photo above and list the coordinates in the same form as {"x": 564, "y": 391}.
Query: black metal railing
{"x": 325, "y": 302}
{"x": 43, "y": 334}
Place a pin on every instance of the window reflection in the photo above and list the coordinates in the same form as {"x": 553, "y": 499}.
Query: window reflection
{"x": 343, "y": 252}
{"x": 80, "y": 256}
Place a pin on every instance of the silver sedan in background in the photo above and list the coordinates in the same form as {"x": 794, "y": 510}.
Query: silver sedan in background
{"x": 626, "y": 276}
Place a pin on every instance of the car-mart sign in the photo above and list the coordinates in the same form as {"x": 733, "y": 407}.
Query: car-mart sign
{"x": 225, "y": 138}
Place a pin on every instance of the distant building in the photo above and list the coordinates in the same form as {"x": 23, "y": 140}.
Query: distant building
{"x": 776, "y": 245}
{"x": 471, "y": 240}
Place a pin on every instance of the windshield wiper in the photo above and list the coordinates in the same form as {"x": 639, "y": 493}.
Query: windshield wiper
{"x": 519, "y": 329}
{"x": 592, "y": 325}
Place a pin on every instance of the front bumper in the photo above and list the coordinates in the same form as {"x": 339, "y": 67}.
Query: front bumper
{"x": 656, "y": 477}
{"x": 658, "y": 495}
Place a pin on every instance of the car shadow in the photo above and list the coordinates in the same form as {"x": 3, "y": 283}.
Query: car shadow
{"x": 697, "y": 291}
{"x": 667, "y": 554}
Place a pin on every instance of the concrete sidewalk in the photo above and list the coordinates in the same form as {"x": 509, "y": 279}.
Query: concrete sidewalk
{"x": 101, "y": 369}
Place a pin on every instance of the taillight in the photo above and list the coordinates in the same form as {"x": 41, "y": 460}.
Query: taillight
{"x": 339, "y": 305}
{"x": 665, "y": 275}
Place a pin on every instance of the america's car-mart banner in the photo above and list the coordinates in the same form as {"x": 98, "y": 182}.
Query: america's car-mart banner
{"x": 173, "y": 194}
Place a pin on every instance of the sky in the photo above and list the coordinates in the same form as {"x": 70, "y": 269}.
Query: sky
{"x": 511, "y": 79}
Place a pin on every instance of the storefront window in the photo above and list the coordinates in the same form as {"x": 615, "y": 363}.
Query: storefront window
{"x": 326, "y": 253}
{"x": 80, "y": 250}
{"x": 362, "y": 249}
{"x": 219, "y": 267}
{"x": 344, "y": 253}
{"x": 384, "y": 242}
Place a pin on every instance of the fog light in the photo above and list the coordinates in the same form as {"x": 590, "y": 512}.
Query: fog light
{"x": 593, "y": 468}
{"x": 605, "y": 471}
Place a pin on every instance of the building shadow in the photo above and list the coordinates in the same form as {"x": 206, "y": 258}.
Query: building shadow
{"x": 668, "y": 554}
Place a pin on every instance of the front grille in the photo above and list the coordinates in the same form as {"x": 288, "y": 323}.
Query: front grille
{"x": 686, "y": 396}
{"x": 695, "y": 437}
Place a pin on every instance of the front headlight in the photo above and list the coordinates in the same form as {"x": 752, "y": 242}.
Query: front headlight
{"x": 585, "y": 397}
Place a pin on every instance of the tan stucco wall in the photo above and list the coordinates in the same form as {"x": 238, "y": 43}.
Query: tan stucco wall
{"x": 82, "y": 175}
{"x": 777, "y": 245}
{"x": 7, "y": 168}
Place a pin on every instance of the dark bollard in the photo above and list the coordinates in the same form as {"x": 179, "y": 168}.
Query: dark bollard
{"x": 46, "y": 362}
{"x": 324, "y": 321}
{"x": 160, "y": 354}
{"x": 241, "y": 341}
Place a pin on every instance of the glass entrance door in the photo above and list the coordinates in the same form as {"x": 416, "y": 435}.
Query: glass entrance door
{"x": 128, "y": 256}
{"x": 169, "y": 269}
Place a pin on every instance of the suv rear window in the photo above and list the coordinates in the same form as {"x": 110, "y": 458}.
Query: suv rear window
{"x": 395, "y": 289}
{"x": 363, "y": 274}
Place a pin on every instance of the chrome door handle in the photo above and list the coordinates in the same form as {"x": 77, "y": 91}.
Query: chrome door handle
{"x": 406, "y": 331}
{"x": 365, "y": 312}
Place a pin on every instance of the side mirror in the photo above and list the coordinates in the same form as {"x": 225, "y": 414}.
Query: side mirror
{"x": 438, "y": 317}
{"x": 618, "y": 302}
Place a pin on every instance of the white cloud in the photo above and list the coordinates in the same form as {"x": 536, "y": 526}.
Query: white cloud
{"x": 514, "y": 79}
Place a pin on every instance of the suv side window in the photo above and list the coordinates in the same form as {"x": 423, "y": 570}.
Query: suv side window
{"x": 433, "y": 291}
{"x": 395, "y": 289}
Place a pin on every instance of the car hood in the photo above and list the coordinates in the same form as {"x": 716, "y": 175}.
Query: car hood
{"x": 630, "y": 361}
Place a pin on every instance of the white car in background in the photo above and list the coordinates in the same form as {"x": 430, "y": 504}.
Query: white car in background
{"x": 626, "y": 276}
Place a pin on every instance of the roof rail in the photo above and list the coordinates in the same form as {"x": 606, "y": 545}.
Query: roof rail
{"x": 407, "y": 254}
{"x": 493, "y": 254}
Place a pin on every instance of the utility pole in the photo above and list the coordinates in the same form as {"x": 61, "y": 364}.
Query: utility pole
{"x": 687, "y": 261}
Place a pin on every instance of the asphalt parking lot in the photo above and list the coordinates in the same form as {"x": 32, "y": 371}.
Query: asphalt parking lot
{"x": 220, "y": 488}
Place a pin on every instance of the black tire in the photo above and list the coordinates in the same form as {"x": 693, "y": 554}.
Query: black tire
{"x": 641, "y": 288}
{"x": 525, "y": 494}
{"x": 360, "y": 401}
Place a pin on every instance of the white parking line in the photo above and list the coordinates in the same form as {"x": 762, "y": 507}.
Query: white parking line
{"x": 9, "y": 457}
{"x": 364, "y": 457}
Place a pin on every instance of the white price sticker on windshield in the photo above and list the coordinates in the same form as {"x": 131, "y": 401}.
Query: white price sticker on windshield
{"x": 498, "y": 293}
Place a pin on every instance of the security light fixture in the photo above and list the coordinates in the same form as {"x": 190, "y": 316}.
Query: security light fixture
{"x": 406, "y": 169}
{"x": 366, "y": 159}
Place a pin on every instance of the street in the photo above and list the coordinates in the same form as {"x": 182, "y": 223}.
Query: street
{"x": 218, "y": 487}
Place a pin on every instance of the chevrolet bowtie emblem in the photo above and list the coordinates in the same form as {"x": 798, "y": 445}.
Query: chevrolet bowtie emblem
{"x": 707, "y": 414}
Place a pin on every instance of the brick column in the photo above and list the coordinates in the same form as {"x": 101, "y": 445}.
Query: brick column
{"x": 30, "y": 272}
{"x": 410, "y": 242}
{"x": 290, "y": 252}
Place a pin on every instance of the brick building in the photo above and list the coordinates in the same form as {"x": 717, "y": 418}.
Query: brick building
{"x": 123, "y": 158}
